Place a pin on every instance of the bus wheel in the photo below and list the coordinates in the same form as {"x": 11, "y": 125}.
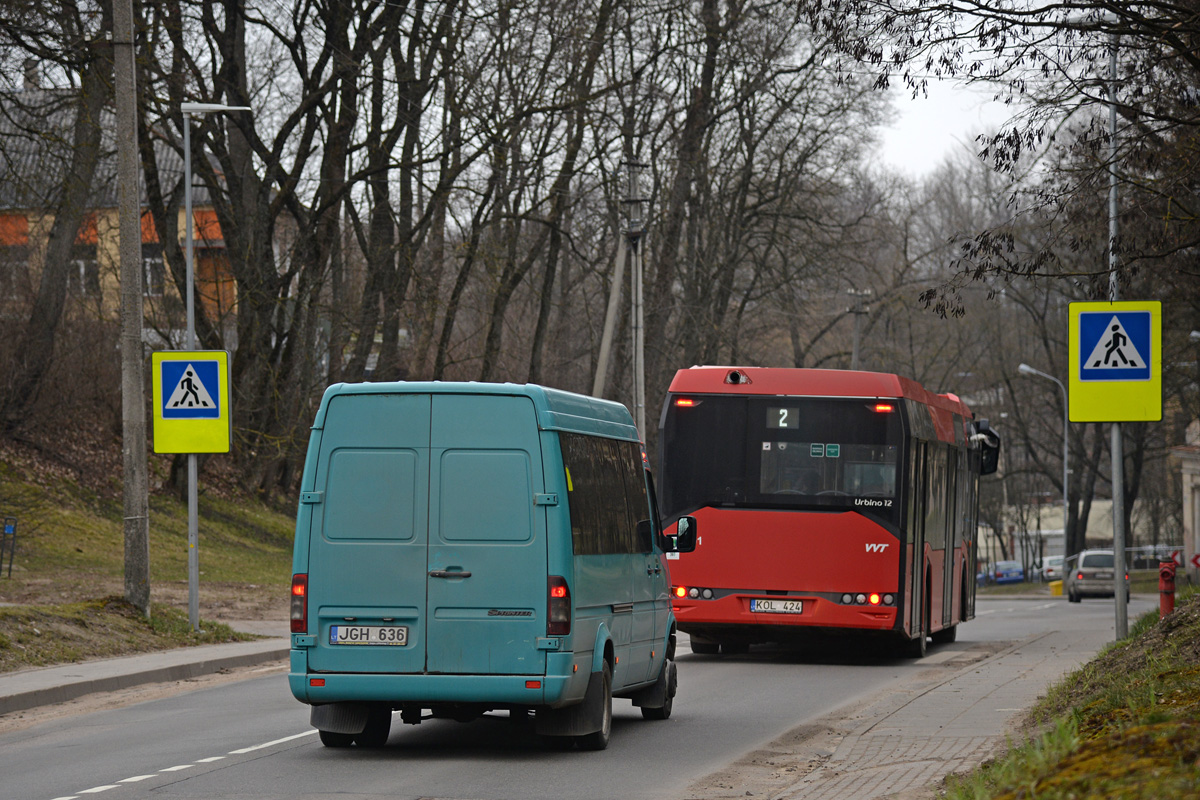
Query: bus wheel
{"x": 705, "y": 648}
{"x": 331, "y": 739}
{"x": 917, "y": 647}
{"x": 598, "y": 740}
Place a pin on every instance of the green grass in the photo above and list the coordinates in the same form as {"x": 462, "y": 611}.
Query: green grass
{"x": 1125, "y": 725}
{"x": 69, "y": 564}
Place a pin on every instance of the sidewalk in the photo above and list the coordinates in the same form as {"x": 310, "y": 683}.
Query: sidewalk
{"x": 960, "y": 712}
{"x": 38, "y": 687}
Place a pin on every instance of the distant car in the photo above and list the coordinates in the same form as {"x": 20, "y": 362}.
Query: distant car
{"x": 1008, "y": 572}
{"x": 1052, "y": 568}
{"x": 1090, "y": 574}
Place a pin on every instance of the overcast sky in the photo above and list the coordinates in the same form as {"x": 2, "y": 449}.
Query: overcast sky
{"x": 928, "y": 129}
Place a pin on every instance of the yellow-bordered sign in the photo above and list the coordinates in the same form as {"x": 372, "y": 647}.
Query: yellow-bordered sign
{"x": 191, "y": 401}
{"x": 1115, "y": 362}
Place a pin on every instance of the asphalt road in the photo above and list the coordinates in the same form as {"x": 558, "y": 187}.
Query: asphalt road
{"x": 250, "y": 739}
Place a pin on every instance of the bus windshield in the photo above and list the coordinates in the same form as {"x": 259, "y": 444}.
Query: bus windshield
{"x": 781, "y": 452}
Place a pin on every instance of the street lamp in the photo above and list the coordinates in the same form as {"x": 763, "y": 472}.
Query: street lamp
{"x": 1025, "y": 369}
{"x": 193, "y": 504}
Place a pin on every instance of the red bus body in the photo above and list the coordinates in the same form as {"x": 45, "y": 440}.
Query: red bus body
{"x": 887, "y": 549}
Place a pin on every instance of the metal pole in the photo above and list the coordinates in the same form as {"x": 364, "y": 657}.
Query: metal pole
{"x": 1118, "y": 455}
{"x": 190, "y": 344}
{"x": 1028, "y": 370}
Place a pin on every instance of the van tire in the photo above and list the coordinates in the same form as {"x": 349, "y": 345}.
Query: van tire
{"x": 331, "y": 739}
{"x": 598, "y": 740}
{"x": 668, "y": 683}
{"x": 379, "y": 725}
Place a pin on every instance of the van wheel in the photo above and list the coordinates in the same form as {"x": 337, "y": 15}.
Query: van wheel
{"x": 705, "y": 648}
{"x": 331, "y": 739}
{"x": 379, "y": 725}
{"x": 598, "y": 740}
{"x": 669, "y": 683}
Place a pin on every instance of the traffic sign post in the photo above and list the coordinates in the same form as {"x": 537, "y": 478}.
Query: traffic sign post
{"x": 1115, "y": 375}
{"x": 191, "y": 415}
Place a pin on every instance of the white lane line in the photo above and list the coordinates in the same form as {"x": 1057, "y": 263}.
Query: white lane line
{"x": 1047, "y": 605}
{"x": 69, "y": 797}
{"x": 210, "y": 759}
{"x": 245, "y": 750}
{"x": 136, "y": 779}
{"x": 983, "y": 613}
{"x": 98, "y": 789}
{"x": 176, "y": 769}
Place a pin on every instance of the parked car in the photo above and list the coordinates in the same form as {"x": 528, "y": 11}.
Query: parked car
{"x": 1052, "y": 568}
{"x": 1008, "y": 572}
{"x": 1090, "y": 574}
{"x": 1001, "y": 572}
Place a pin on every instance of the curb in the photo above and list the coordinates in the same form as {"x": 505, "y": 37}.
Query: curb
{"x": 64, "y": 683}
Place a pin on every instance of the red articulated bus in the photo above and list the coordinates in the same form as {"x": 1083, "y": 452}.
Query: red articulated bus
{"x": 825, "y": 501}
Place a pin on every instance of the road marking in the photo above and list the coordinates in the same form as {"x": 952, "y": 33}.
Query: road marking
{"x": 1047, "y": 605}
{"x": 210, "y": 759}
{"x": 136, "y": 779}
{"x": 984, "y": 613}
{"x": 98, "y": 789}
{"x": 69, "y": 797}
{"x": 176, "y": 769}
{"x": 245, "y": 750}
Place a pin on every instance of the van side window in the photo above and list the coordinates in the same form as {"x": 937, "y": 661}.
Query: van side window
{"x": 606, "y": 494}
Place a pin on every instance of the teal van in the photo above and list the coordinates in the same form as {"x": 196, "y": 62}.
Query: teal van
{"x": 468, "y": 547}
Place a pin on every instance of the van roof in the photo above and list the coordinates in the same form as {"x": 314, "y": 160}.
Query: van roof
{"x": 556, "y": 410}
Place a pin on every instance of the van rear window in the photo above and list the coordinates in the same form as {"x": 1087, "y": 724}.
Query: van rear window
{"x": 607, "y": 494}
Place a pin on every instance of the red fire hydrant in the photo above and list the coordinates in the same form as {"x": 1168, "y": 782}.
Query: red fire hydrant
{"x": 1166, "y": 588}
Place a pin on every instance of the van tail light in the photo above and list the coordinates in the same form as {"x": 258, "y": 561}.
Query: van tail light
{"x": 558, "y": 620}
{"x": 299, "y": 604}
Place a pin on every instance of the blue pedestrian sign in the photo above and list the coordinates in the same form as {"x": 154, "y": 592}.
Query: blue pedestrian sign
{"x": 193, "y": 388}
{"x": 1115, "y": 357}
{"x": 1114, "y": 346}
{"x": 191, "y": 401}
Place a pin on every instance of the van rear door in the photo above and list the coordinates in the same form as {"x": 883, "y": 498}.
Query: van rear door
{"x": 487, "y": 564}
{"x": 369, "y": 534}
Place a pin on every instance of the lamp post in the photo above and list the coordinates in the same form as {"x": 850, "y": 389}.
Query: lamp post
{"x": 1025, "y": 369}
{"x": 188, "y": 110}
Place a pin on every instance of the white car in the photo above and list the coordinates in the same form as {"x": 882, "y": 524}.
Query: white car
{"x": 1052, "y": 568}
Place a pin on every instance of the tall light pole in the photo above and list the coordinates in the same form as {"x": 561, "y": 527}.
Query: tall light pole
{"x": 1118, "y": 448}
{"x": 1025, "y": 369}
{"x": 193, "y": 503}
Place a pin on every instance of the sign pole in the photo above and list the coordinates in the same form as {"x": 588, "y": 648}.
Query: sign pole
{"x": 1118, "y": 452}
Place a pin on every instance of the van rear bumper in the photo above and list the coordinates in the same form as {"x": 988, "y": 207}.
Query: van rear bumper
{"x": 426, "y": 689}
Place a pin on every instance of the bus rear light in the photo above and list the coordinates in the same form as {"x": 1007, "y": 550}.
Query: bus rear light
{"x": 299, "y": 611}
{"x": 558, "y": 617}
{"x": 693, "y": 592}
{"x": 884, "y": 408}
{"x": 847, "y": 598}
{"x": 888, "y": 599}
{"x": 874, "y": 599}
{"x": 860, "y": 598}
{"x": 685, "y": 402}
{"x": 680, "y": 591}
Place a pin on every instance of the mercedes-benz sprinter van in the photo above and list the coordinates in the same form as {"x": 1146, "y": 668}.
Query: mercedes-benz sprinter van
{"x": 468, "y": 547}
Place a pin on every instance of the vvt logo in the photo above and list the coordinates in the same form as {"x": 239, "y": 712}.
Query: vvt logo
{"x": 877, "y": 548}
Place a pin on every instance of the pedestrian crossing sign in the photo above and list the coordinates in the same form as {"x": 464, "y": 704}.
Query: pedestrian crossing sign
{"x": 1115, "y": 353}
{"x": 191, "y": 401}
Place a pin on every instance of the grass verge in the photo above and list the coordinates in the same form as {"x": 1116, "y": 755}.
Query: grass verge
{"x": 1126, "y": 725}
{"x": 39, "y": 636}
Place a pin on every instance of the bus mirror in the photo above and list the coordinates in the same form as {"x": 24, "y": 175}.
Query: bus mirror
{"x": 684, "y": 540}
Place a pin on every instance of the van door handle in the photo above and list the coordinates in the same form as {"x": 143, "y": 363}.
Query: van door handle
{"x": 654, "y": 569}
{"x": 445, "y": 573}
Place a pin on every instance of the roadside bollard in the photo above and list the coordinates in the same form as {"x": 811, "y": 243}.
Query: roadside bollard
{"x": 1166, "y": 588}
